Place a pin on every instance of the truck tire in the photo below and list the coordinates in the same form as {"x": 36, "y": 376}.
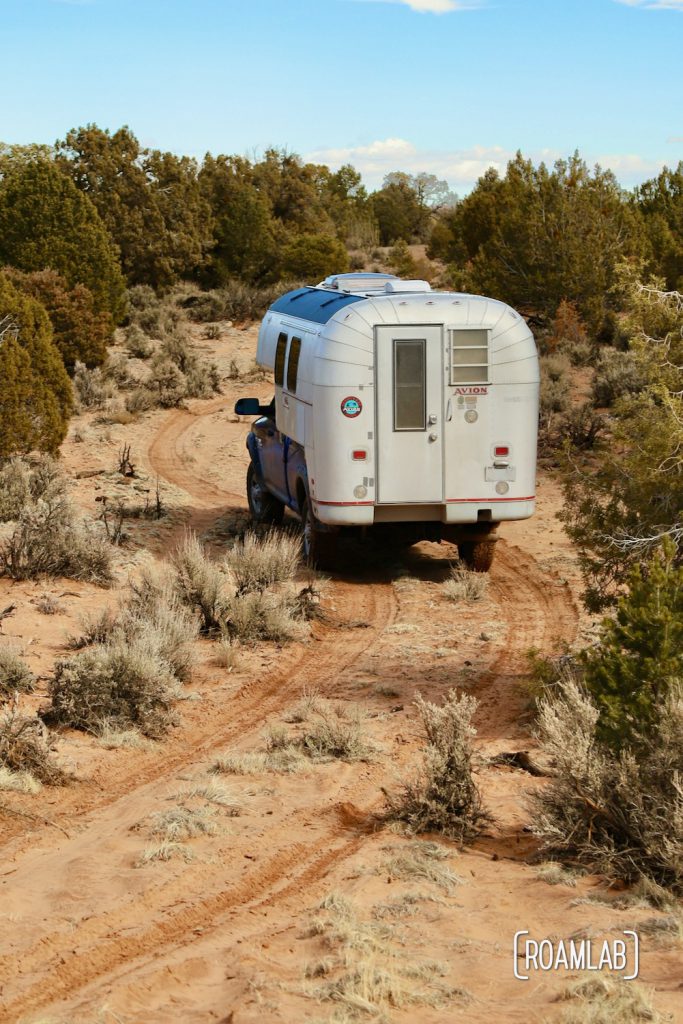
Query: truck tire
{"x": 318, "y": 545}
{"x": 264, "y": 506}
{"x": 477, "y": 555}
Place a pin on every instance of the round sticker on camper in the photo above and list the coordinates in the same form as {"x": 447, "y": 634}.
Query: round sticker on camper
{"x": 351, "y": 406}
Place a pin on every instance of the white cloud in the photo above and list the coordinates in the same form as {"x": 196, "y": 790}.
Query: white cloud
{"x": 654, "y": 5}
{"x": 431, "y": 6}
{"x": 462, "y": 167}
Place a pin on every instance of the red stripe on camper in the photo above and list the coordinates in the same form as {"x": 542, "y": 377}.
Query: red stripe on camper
{"x": 316, "y": 501}
{"x": 488, "y": 501}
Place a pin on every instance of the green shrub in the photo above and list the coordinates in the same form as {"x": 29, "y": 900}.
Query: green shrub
{"x": 35, "y": 391}
{"x": 80, "y": 332}
{"x": 235, "y": 301}
{"x": 45, "y": 221}
{"x": 93, "y": 389}
{"x": 145, "y": 309}
{"x": 639, "y": 656}
{"x": 313, "y": 257}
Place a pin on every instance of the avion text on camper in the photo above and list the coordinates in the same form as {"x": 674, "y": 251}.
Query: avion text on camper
{"x": 472, "y": 391}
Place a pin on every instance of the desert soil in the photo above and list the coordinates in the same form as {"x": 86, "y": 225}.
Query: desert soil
{"x": 88, "y": 935}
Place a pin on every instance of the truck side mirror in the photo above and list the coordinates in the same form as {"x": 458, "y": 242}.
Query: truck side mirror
{"x": 251, "y": 407}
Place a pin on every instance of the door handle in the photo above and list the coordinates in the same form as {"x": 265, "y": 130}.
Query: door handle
{"x": 449, "y": 411}
{"x": 432, "y": 419}
{"x": 285, "y": 401}
{"x": 433, "y": 437}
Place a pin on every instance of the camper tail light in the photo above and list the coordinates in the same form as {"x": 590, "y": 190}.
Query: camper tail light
{"x": 501, "y": 451}
{"x": 359, "y": 455}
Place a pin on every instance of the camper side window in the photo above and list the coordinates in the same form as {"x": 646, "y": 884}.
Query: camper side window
{"x": 409, "y": 385}
{"x": 280, "y": 359}
{"x": 293, "y": 364}
{"x": 469, "y": 356}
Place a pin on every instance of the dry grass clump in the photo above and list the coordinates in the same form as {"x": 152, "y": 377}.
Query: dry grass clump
{"x": 200, "y": 584}
{"x": 236, "y": 603}
{"x": 164, "y": 851}
{"x": 113, "y": 738}
{"x": 258, "y": 616}
{"x": 51, "y": 540}
{"x": 366, "y": 973}
{"x": 257, "y": 562}
{"x": 328, "y": 737}
{"x": 607, "y": 1000}
{"x": 26, "y": 746}
{"x": 554, "y": 874}
{"x": 123, "y": 682}
{"x": 286, "y": 760}
{"x": 444, "y": 797}
{"x": 15, "y": 675}
{"x": 181, "y": 823}
{"x": 464, "y": 584}
{"x": 421, "y": 860}
{"x": 18, "y": 782}
{"x": 614, "y": 812}
{"x": 47, "y": 604}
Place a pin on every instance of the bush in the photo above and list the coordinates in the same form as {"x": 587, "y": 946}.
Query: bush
{"x": 35, "y": 391}
{"x": 235, "y": 301}
{"x": 256, "y": 562}
{"x": 144, "y": 309}
{"x": 138, "y": 344}
{"x": 445, "y": 797}
{"x": 166, "y": 382}
{"x": 25, "y": 746}
{"x": 610, "y": 811}
{"x": 45, "y": 221}
{"x": 313, "y": 257}
{"x": 125, "y": 683}
{"x": 93, "y": 389}
{"x": 617, "y": 374}
{"x": 465, "y": 585}
{"x": 200, "y": 584}
{"x": 255, "y": 616}
{"x": 569, "y": 335}
{"x": 15, "y": 675}
{"x": 331, "y": 736}
{"x": 49, "y": 540}
{"x": 80, "y": 332}
{"x": 639, "y": 656}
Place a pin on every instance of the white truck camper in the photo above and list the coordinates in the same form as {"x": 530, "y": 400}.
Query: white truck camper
{"x": 397, "y": 408}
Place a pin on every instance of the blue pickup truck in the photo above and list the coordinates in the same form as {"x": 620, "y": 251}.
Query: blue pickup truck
{"x": 277, "y": 478}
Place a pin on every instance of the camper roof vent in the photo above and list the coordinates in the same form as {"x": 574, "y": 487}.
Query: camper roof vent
{"x": 357, "y": 282}
{"x": 393, "y": 287}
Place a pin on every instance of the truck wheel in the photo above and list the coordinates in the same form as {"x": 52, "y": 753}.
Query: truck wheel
{"x": 477, "y": 555}
{"x": 264, "y": 506}
{"x": 318, "y": 545}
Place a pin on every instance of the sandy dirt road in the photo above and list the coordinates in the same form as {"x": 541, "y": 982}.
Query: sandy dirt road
{"x": 91, "y": 934}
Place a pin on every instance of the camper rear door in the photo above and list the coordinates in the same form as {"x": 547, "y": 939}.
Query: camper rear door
{"x": 409, "y": 378}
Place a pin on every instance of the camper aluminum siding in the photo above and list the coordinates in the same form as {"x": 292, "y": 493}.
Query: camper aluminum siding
{"x": 441, "y": 380}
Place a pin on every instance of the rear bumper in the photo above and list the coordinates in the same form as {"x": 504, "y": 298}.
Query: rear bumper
{"x": 460, "y": 510}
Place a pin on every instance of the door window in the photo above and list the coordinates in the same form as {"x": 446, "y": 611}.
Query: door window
{"x": 410, "y": 411}
{"x": 469, "y": 356}
{"x": 280, "y": 359}
{"x": 293, "y": 364}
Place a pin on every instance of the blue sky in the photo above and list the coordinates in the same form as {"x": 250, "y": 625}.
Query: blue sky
{"x": 442, "y": 86}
